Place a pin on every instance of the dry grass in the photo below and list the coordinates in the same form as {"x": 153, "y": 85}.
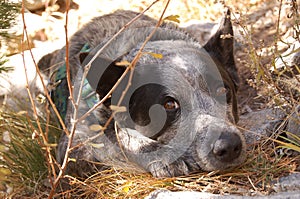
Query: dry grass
{"x": 24, "y": 168}
{"x": 23, "y": 164}
{"x": 23, "y": 158}
{"x": 262, "y": 168}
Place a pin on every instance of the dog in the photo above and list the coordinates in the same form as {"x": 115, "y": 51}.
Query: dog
{"x": 173, "y": 114}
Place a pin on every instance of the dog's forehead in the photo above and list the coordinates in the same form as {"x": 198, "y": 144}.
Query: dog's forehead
{"x": 179, "y": 59}
{"x": 191, "y": 62}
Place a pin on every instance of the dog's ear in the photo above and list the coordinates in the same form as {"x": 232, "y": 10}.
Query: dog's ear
{"x": 220, "y": 47}
{"x": 45, "y": 62}
{"x": 103, "y": 73}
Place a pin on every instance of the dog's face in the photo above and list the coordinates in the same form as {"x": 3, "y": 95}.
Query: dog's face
{"x": 184, "y": 102}
{"x": 181, "y": 105}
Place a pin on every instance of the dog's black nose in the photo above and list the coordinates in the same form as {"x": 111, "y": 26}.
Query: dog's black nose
{"x": 228, "y": 147}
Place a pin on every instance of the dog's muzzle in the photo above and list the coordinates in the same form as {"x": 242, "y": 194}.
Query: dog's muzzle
{"x": 220, "y": 145}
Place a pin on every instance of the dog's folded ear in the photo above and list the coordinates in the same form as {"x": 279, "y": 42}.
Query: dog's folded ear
{"x": 45, "y": 62}
{"x": 103, "y": 73}
{"x": 220, "y": 47}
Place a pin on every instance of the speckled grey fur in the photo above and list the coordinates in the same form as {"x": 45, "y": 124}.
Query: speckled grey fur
{"x": 186, "y": 145}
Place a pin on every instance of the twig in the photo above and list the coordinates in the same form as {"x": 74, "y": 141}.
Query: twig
{"x": 50, "y": 160}
{"x": 132, "y": 67}
{"x": 129, "y": 68}
{"x": 51, "y": 163}
{"x": 34, "y": 108}
{"x": 277, "y": 36}
{"x": 46, "y": 90}
{"x": 88, "y": 65}
{"x": 64, "y": 165}
{"x": 61, "y": 122}
{"x": 75, "y": 121}
{"x": 70, "y": 87}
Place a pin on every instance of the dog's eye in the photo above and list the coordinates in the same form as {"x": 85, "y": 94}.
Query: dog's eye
{"x": 171, "y": 104}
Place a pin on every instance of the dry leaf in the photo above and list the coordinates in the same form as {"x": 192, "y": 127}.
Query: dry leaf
{"x": 71, "y": 159}
{"x": 155, "y": 55}
{"x": 174, "y": 18}
{"x": 96, "y": 127}
{"x": 3, "y": 148}
{"x": 123, "y": 63}
{"x": 97, "y": 145}
{"x": 226, "y": 36}
{"x": 22, "y": 113}
{"x": 5, "y": 171}
{"x": 126, "y": 187}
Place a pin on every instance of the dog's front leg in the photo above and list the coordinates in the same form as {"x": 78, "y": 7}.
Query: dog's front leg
{"x": 154, "y": 157}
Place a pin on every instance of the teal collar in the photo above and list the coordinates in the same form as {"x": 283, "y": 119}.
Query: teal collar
{"x": 60, "y": 92}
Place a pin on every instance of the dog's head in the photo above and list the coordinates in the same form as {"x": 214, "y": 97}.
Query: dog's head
{"x": 181, "y": 100}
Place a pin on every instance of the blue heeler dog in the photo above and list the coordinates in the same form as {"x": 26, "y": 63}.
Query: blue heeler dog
{"x": 178, "y": 115}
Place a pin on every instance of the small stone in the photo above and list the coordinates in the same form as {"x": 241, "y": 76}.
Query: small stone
{"x": 34, "y": 5}
{"x": 288, "y": 183}
{"x": 293, "y": 125}
{"x": 259, "y": 124}
{"x": 6, "y": 137}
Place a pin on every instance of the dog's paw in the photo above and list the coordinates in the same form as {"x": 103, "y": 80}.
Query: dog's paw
{"x": 160, "y": 169}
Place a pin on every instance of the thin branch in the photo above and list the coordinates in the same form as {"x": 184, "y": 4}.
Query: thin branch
{"x": 74, "y": 117}
{"x": 129, "y": 68}
{"x": 88, "y": 65}
{"x": 51, "y": 163}
{"x": 68, "y": 71}
{"x": 71, "y": 135}
{"x": 34, "y": 108}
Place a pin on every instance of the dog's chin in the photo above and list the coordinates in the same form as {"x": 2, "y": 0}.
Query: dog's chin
{"x": 182, "y": 168}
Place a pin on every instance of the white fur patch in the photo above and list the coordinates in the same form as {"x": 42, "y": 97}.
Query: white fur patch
{"x": 178, "y": 61}
{"x": 133, "y": 139}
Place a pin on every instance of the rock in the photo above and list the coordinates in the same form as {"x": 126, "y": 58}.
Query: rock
{"x": 289, "y": 58}
{"x": 34, "y": 5}
{"x": 293, "y": 125}
{"x": 165, "y": 194}
{"x": 288, "y": 183}
{"x": 259, "y": 124}
{"x": 286, "y": 71}
{"x": 40, "y": 29}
